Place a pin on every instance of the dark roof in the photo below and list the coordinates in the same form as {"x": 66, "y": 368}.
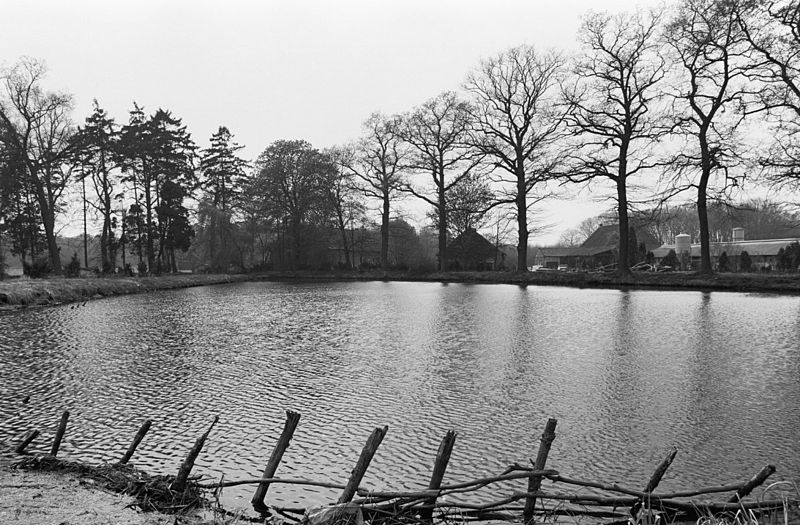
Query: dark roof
{"x": 607, "y": 236}
{"x": 575, "y": 251}
{"x": 471, "y": 244}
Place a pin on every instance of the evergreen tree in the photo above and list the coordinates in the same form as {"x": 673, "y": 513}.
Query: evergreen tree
{"x": 97, "y": 151}
{"x": 157, "y": 150}
{"x": 173, "y": 220}
{"x": 133, "y": 146}
{"x": 223, "y": 173}
{"x": 745, "y": 263}
{"x": 723, "y": 264}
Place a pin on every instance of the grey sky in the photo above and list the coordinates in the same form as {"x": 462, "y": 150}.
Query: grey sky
{"x": 271, "y": 70}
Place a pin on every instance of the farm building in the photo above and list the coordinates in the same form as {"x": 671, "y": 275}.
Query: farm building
{"x": 763, "y": 252}
{"x": 471, "y": 251}
{"x": 600, "y": 249}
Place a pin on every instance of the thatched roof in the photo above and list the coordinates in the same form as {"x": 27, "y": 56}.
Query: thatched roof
{"x": 607, "y": 236}
{"x": 471, "y": 245}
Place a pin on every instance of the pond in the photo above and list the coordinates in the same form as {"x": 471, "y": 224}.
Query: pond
{"x": 628, "y": 374}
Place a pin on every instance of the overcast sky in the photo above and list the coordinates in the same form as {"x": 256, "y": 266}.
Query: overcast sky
{"x": 272, "y": 70}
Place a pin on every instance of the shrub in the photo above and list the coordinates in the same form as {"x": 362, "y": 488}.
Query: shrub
{"x": 73, "y": 268}
{"x": 40, "y": 267}
{"x": 745, "y": 264}
{"x": 142, "y": 267}
{"x": 671, "y": 259}
{"x": 724, "y": 264}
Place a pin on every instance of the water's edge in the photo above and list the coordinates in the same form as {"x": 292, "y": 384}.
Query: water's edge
{"x": 54, "y": 291}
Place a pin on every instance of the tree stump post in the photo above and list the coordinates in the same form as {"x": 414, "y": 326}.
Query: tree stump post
{"x": 292, "y": 419}
{"x": 367, "y": 453}
{"x": 655, "y": 479}
{"x": 136, "y": 440}
{"x": 535, "y": 482}
{"x": 439, "y": 467}
{"x": 186, "y": 468}
{"x": 62, "y": 427}
{"x": 30, "y": 435}
{"x": 754, "y": 482}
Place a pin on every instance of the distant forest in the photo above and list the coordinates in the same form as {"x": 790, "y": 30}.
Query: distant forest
{"x": 670, "y": 112}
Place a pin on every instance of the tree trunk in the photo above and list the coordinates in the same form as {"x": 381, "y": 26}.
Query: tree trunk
{"x": 624, "y": 261}
{"x": 296, "y": 243}
{"x": 52, "y": 246}
{"x": 522, "y": 223}
{"x": 343, "y": 232}
{"x": 702, "y": 207}
{"x": 702, "y": 216}
{"x": 148, "y": 205}
{"x": 442, "y": 231}
{"x": 385, "y": 233}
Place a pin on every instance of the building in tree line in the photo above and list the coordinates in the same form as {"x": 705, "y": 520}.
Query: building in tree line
{"x": 600, "y": 249}
{"x": 763, "y": 253}
{"x": 471, "y": 251}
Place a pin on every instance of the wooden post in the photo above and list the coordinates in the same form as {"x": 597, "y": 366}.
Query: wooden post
{"x": 292, "y": 419}
{"x": 439, "y": 466}
{"x": 62, "y": 427}
{"x": 136, "y": 440}
{"x": 362, "y": 464}
{"x": 655, "y": 479}
{"x": 754, "y": 482}
{"x": 186, "y": 468}
{"x": 535, "y": 482}
{"x": 30, "y": 435}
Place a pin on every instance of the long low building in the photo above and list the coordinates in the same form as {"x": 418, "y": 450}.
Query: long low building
{"x": 763, "y": 253}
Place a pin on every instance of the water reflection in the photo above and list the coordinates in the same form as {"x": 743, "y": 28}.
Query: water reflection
{"x": 627, "y": 373}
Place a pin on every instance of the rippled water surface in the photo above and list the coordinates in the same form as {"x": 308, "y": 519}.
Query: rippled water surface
{"x": 627, "y": 374}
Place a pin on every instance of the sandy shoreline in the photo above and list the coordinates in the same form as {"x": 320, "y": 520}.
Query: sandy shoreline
{"x": 32, "y": 497}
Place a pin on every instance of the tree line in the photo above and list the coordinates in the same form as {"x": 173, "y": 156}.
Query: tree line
{"x": 656, "y": 106}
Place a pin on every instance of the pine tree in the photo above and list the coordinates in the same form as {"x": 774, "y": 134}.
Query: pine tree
{"x": 156, "y": 150}
{"x": 223, "y": 173}
{"x": 98, "y": 152}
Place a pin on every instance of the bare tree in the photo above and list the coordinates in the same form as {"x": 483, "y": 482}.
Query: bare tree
{"x": 36, "y": 125}
{"x": 377, "y": 165}
{"x": 437, "y": 135}
{"x": 712, "y": 50}
{"x": 340, "y": 196}
{"x": 614, "y": 99}
{"x": 772, "y": 29}
{"x": 468, "y": 204}
{"x": 517, "y": 124}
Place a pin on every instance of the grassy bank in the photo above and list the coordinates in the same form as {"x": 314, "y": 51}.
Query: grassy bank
{"x": 738, "y": 282}
{"x": 59, "y": 290}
